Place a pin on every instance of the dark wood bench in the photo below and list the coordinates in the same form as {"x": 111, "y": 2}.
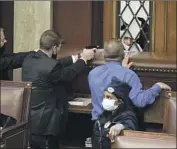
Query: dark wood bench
{"x": 15, "y": 103}
{"x": 137, "y": 139}
{"x": 156, "y": 113}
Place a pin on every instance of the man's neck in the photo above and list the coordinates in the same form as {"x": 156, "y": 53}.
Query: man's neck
{"x": 111, "y": 60}
{"x": 48, "y": 53}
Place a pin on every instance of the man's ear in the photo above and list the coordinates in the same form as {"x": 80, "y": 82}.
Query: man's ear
{"x": 54, "y": 49}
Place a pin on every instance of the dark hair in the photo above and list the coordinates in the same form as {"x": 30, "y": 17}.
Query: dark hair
{"x": 114, "y": 49}
{"x": 50, "y": 38}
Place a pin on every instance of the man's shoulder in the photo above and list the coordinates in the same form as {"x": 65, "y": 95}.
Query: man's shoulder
{"x": 29, "y": 54}
{"x": 102, "y": 68}
{"x": 36, "y": 57}
{"x": 128, "y": 70}
{"x": 96, "y": 70}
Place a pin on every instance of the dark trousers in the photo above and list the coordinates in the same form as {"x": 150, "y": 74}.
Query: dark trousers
{"x": 104, "y": 143}
{"x": 41, "y": 142}
{"x": 6, "y": 121}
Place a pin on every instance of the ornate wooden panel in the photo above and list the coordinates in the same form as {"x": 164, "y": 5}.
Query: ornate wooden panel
{"x": 163, "y": 33}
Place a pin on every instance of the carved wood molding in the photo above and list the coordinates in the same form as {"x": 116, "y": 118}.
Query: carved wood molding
{"x": 143, "y": 61}
{"x": 144, "y": 69}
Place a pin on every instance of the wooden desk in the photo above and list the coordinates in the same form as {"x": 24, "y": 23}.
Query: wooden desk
{"x": 79, "y": 126}
{"x": 128, "y": 139}
{"x": 155, "y": 114}
{"x": 80, "y": 109}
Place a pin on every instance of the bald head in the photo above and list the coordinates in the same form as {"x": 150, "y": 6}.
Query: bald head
{"x": 114, "y": 49}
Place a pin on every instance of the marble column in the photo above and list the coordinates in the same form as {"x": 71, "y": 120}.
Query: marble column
{"x": 31, "y": 18}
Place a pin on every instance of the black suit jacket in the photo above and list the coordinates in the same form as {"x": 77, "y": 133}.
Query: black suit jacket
{"x": 10, "y": 62}
{"x": 49, "y": 98}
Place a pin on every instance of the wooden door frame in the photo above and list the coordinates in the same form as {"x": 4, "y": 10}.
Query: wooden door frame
{"x": 163, "y": 28}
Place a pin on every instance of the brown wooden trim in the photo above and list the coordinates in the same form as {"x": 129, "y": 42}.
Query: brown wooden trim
{"x": 151, "y": 135}
{"x": 146, "y": 61}
{"x": 171, "y": 29}
{"x": 145, "y": 67}
{"x": 97, "y": 23}
{"x": 164, "y": 26}
{"x": 160, "y": 27}
{"x": 152, "y": 35}
{"x": 163, "y": 32}
{"x": 78, "y": 34}
{"x": 15, "y": 84}
{"x": 108, "y": 20}
{"x": 80, "y": 109}
{"x": 166, "y": 110}
{"x": 166, "y": 115}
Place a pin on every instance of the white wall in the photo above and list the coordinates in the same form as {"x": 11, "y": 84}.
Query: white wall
{"x": 31, "y": 19}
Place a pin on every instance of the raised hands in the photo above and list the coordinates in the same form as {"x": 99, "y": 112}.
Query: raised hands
{"x": 126, "y": 63}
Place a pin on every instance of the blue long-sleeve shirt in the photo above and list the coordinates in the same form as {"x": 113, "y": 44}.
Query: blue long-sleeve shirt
{"x": 101, "y": 76}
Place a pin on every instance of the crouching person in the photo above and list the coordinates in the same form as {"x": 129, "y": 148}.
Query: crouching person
{"x": 118, "y": 114}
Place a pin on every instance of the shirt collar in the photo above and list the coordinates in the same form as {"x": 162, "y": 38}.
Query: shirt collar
{"x": 113, "y": 62}
{"x": 41, "y": 52}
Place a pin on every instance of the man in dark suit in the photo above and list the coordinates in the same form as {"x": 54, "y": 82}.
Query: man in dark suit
{"x": 49, "y": 98}
{"x": 9, "y": 61}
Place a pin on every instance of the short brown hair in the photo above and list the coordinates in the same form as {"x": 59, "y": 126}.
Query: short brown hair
{"x": 49, "y": 39}
{"x": 114, "y": 49}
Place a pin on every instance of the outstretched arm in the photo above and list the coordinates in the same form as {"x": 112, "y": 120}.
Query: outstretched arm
{"x": 66, "y": 61}
{"x": 139, "y": 96}
{"x": 60, "y": 73}
{"x": 12, "y": 62}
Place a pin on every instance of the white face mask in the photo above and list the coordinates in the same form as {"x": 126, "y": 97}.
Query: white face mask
{"x": 109, "y": 105}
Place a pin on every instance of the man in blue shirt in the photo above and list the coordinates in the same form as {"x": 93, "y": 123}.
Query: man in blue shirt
{"x": 101, "y": 76}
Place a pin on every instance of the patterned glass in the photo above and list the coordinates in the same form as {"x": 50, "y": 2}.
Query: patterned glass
{"x": 134, "y": 19}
